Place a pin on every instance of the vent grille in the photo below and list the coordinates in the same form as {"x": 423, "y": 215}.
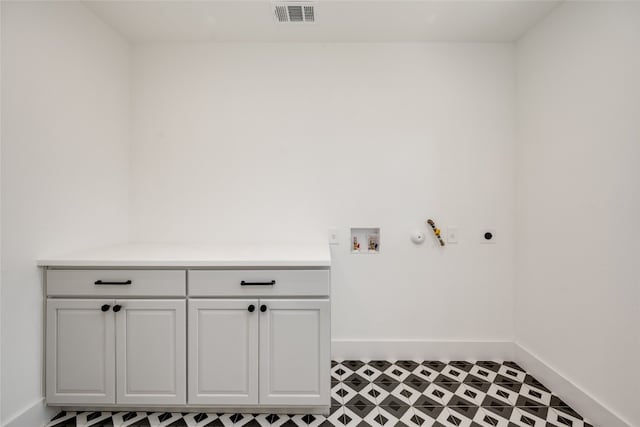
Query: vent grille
{"x": 309, "y": 14}
{"x": 294, "y": 12}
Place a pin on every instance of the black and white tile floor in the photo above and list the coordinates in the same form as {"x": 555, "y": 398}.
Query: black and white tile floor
{"x": 384, "y": 393}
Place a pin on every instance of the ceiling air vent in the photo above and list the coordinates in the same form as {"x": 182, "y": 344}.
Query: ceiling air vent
{"x": 294, "y": 12}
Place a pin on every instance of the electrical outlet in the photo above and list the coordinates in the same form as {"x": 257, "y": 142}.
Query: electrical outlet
{"x": 333, "y": 236}
{"x": 488, "y": 235}
{"x": 452, "y": 235}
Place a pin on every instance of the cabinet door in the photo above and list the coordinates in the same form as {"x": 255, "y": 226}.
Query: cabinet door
{"x": 80, "y": 352}
{"x": 295, "y": 352}
{"x": 223, "y": 352}
{"x": 151, "y": 352}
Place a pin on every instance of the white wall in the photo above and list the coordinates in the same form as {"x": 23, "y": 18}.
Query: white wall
{"x": 65, "y": 127}
{"x": 267, "y": 142}
{"x": 578, "y": 297}
{"x": 0, "y": 212}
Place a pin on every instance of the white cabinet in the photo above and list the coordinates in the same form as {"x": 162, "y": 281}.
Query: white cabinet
{"x": 223, "y": 352}
{"x": 151, "y": 352}
{"x": 255, "y": 338}
{"x": 93, "y": 342}
{"x": 259, "y": 283}
{"x": 294, "y": 352}
{"x": 80, "y": 361}
{"x": 285, "y": 341}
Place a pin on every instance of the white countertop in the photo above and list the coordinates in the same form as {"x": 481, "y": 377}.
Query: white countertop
{"x": 161, "y": 255}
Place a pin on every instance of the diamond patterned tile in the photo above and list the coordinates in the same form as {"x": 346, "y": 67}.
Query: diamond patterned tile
{"x": 451, "y": 374}
{"x": 247, "y": 421}
{"x": 482, "y": 373}
{"x": 561, "y": 419}
{"x": 566, "y": 410}
{"x": 536, "y": 394}
{"x": 513, "y": 365}
{"x": 497, "y": 408}
{"x": 353, "y": 365}
{"x": 505, "y": 395}
{"x": 380, "y": 365}
{"x": 339, "y": 371}
{"x": 397, "y": 373}
{"x": 338, "y": 393}
{"x": 260, "y": 419}
{"x": 463, "y": 365}
{"x": 467, "y": 413}
{"x": 369, "y": 372}
{"x": 395, "y": 406}
{"x": 486, "y": 418}
{"x": 535, "y": 383}
{"x": 356, "y": 382}
{"x": 390, "y": 393}
{"x": 538, "y": 411}
{"x": 386, "y": 382}
{"x": 102, "y": 419}
{"x": 350, "y": 418}
{"x": 408, "y": 395}
{"x": 425, "y": 373}
{"x": 361, "y": 405}
{"x": 477, "y": 383}
{"x": 416, "y": 420}
{"x": 409, "y": 365}
{"x": 456, "y": 401}
{"x": 428, "y": 413}
{"x": 436, "y": 365}
{"x": 449, "y": 418}
{"x": 308, "y": 420}
{"x": 441, "y": 392}
{"x": 335, "y": 418}
{"x": 388, "y": 417}
{"x": 417, "y": 383}
{"x": 63, "y": 419}
{"x": 427, "y": 401}
{"x": 470, "y": 394}
{"x": 509, "y": 383}
{"x": 489, "y": 364}
{"x": 373, "y": 393}
{"x": 522, "y": 418}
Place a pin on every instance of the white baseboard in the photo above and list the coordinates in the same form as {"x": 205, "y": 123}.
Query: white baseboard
{"x": 574, "y": 396}
{"x": 421, "y": 350}
{"x": 36, "y": 415}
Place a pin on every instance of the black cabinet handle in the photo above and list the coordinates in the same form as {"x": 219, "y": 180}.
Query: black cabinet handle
{"x": 117, "y": 308}
{"x": 271, "y": 283}
{"x": 263, "y": 308}
{"x": 251, "y": 308}
{"x": 101, "y": 282}
{"x": 105, "y": 307}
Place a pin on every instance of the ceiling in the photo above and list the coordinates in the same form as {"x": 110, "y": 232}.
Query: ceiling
{"x": 336, "y": 20}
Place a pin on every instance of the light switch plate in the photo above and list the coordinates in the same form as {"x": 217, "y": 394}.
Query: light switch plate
{"x": 333, "y": 236}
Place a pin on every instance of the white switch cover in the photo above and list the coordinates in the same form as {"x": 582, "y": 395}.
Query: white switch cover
{"x": 452, "y": 234}
{"x": 333, "y": 236}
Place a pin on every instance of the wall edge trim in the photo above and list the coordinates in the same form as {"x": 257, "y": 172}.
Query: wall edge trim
{"x": 394, "y": 349}
{"x": 38, "y": 414}
{"x": 596, "y": 412}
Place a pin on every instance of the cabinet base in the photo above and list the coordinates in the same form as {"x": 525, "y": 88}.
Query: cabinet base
{"x": 294, "y": 410}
